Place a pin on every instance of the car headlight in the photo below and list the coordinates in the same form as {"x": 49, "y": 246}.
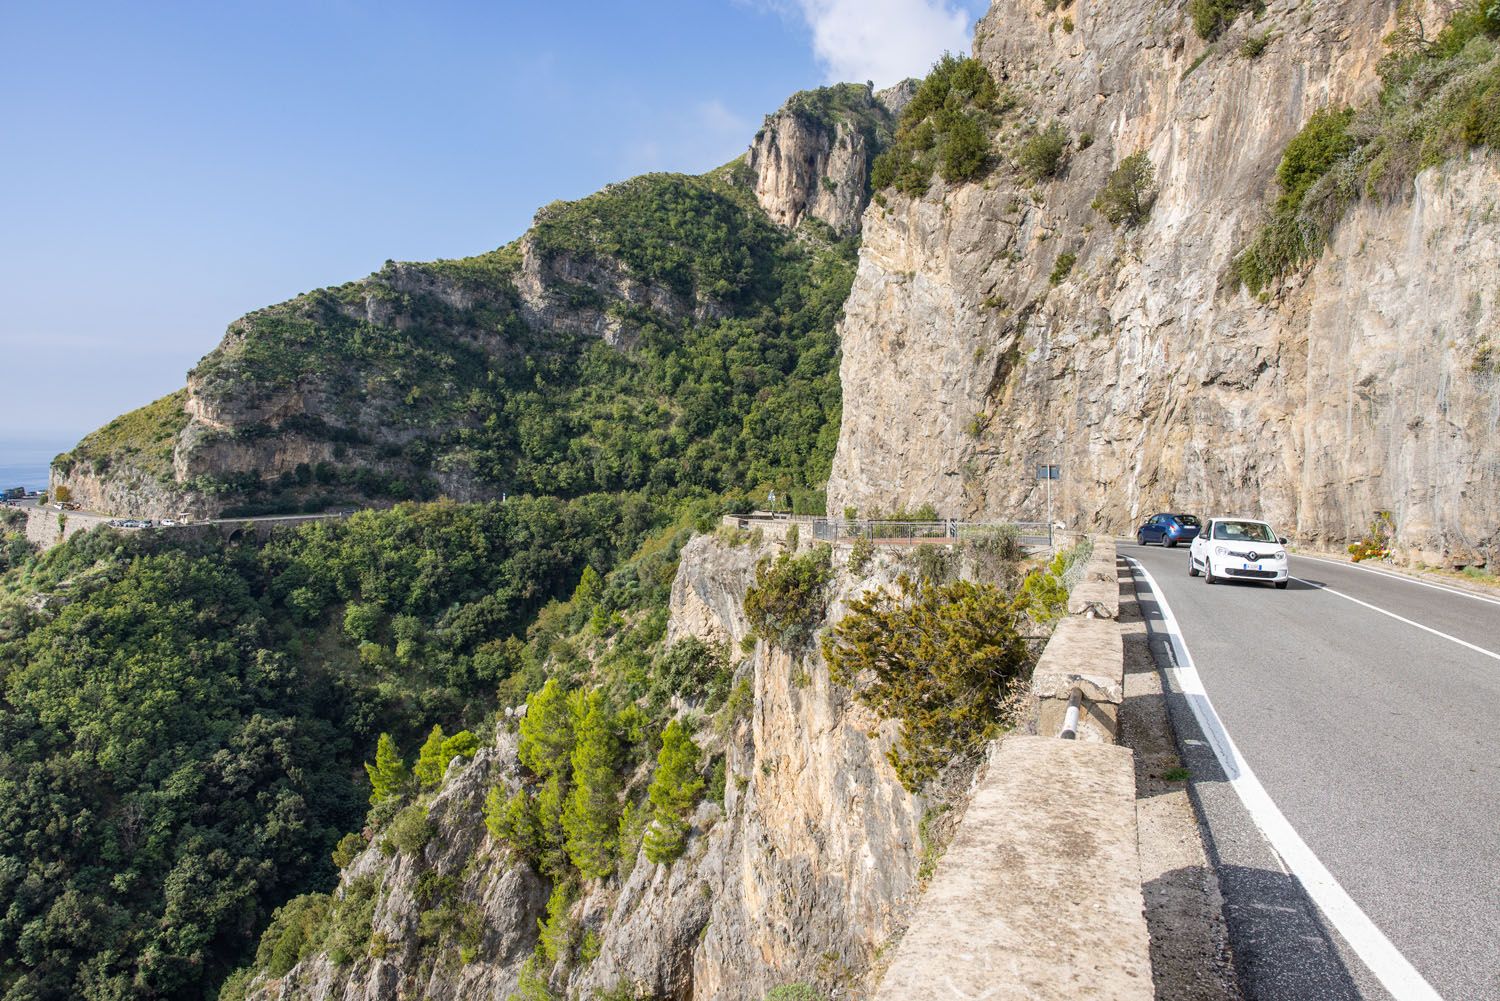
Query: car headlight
{"x": 1220, "y": 551}
{"x": 1280, "y": 555}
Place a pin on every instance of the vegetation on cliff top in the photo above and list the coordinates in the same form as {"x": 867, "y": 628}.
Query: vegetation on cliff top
{"x": 1441, "y": 98}
{"x": 141, "y": 439}
{"x": 946, "y": 128}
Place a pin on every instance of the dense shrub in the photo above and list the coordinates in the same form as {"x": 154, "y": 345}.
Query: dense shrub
{"x": 1063, "y": 267}
{"x": 1128, "y": 195}
{"x": 938, "y": 658}
{"x": 945, "y": 128}
{"x": 1375, "y": 544}
{"x": 788, "y": 599}
{"x": 1211, "y": 17}
{"x": 1042, "y": 155}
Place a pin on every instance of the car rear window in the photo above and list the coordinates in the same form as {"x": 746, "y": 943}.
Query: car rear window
{"x": 1187, "y": 519}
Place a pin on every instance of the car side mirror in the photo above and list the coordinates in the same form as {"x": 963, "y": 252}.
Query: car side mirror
{"x": 1282, "y": 540}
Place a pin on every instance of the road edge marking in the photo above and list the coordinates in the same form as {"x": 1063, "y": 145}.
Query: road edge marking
{"x": 1401, "y": 618}
{"x": 1401, "y": 577}
{"x": 1395, "y": 973}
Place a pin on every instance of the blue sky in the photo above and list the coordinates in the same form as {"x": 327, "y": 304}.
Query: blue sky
{"x": 167, "y": 167}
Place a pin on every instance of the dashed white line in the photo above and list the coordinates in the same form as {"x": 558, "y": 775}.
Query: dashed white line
{"x": 1401, "y": 618}
{"x": 1369, "y": 943}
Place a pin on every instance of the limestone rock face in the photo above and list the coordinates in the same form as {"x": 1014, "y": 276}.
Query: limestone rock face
{"x": 803, "y": 874}
{"x": 812, "y": 158}
{"x": 1152, "y": 380}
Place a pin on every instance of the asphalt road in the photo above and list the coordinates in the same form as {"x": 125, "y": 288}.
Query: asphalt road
{"x": 1375, "y": 739}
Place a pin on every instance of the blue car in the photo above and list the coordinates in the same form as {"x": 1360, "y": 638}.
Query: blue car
{"x": 1168, "y": 529}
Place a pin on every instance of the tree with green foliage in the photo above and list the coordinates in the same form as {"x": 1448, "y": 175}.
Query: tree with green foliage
{"x": 788, "y": 599}
{"x": 1042, "y": 154}
{"x": 1128, "y": 195}
{"x": 546, "y": 744}
{"x": 939, "y": 658}
{"x": 675, "y": 790}
{"x": 1211, "y": 17}
{"x": 389, "y": 776}
{"x": 592, "y": 817}
{"x": 438, "y": 751}
{"x": 945, "y": 128}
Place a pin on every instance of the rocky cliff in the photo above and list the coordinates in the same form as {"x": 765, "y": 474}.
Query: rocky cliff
{"x": 813, "y": 157}
{"x": 975, "y": 346}
{"x": 803, "y": 874}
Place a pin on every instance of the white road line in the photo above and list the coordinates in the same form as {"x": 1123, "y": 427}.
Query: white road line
{"x": 1402, "y": 577}
{"x": 1376, "y": 951}
{"x": 1401, "y": 618}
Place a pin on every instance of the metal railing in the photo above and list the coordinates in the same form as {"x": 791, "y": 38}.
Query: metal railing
{"x": 889, "y": 531}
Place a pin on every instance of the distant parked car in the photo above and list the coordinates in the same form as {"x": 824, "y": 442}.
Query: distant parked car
{"x": 168, "y": 523}
{"x": 1168, "y": 529}
{"x": 1239, "y": 549}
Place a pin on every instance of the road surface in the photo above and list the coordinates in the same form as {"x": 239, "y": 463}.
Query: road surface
{"x": 1366, "y": 705}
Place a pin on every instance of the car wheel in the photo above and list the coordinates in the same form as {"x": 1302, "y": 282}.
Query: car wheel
{"x": 1281, "y": 585}
{"x": 1208, "y": 571}
{"x": 1140, "y": 540}
{"x": 1170, "y": 543}
{"x": 1192, "y": 567}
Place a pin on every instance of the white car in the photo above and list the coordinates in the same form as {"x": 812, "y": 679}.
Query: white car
{"x": 1239, "y": 549}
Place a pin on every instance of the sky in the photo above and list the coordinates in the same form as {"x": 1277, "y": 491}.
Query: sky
{"x": 168, "y": 167}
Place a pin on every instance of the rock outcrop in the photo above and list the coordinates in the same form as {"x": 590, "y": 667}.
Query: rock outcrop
{"x": 813, "y": 157}
{"x": 970, "y": 355}
{"x": 802, "y": 876}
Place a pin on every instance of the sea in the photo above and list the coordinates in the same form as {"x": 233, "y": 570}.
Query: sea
{"x": 25, "y": 462}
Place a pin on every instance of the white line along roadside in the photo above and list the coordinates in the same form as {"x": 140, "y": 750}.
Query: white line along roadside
{"x": 1399, "y": 618}
{"x": 1376, "y": 951}
{"x": 1402, "y": 577}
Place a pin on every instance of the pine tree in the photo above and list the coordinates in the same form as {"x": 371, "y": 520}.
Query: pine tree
{"x": 388, "y": 775}
{"x": 591, "y": 819}
{"x": 431, "y": 763}
{"x": 547, "y": 731}
{"x": 675, "y": 789}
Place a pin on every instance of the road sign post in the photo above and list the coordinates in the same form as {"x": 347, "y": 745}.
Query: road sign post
{"x": 1049, "y": 473}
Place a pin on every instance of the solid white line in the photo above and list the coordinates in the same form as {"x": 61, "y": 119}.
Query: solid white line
{"x": 1402, "y": 577}
{"x": 1369, "y": 943}
{"x": 1401, "y": 618}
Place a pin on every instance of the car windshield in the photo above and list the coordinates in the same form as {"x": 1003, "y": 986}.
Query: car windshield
{"x": 1187, "y": 519}
{"x": 1243, "y": 531}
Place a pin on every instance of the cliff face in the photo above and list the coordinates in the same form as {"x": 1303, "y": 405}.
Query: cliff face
{"x": 813, "y": 157}
{"x": 1150, "y": 377}
{"x": 802, "y": 875}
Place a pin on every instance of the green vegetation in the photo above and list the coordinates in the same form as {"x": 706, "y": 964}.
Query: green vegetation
{"x": 592, "y": 817}
{"x": 1043, "y": 154}
{"x": 788, "y": 599}
{"x": 946, "y": 128}
{"x": 1254, "y": 46}
{"x": 1176, "y": 773}
{"x": 143, "y": 439}
{"x": 1211, "y": 17}
{"x": 1128, "y": 194}
{"x": 194, "y": 713}
{"x": 1441, "y": 97}
{"x": 1063, "y": 267}
{"x": 675, "y": 790}
{"x": 942, "y": 659}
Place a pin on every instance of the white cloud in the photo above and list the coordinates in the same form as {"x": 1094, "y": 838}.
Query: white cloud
{"x": 883, "y": 40}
